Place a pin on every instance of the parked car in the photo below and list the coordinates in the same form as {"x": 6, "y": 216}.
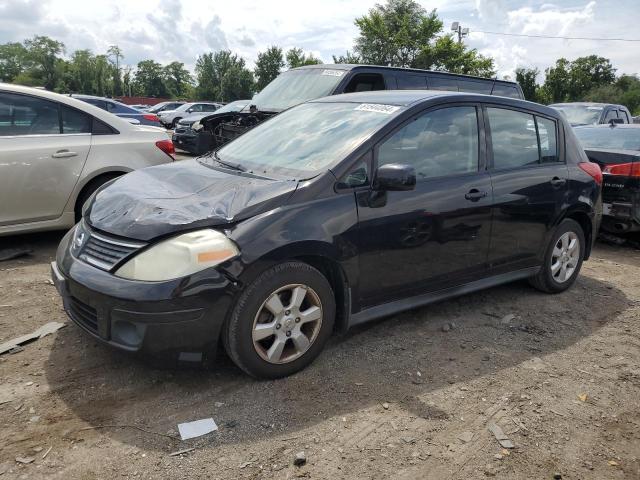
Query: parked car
{"x": 313, "y": 81}
{"x": 636, "y": 119}
{"x": 588, "y": 113}
{"x": 164, "y": 106}
{"x": 334, "y": 213}
{"x": 170, "y": 118}
{"x": 55, "y": 151}
{"x": 616, "y": 149}
{"x": 140, "y": 106}
{"x": 185, "y": 136}
{"x": 121, "y": 110}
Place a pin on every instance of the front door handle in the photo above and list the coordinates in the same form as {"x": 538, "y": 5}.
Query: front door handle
{"x": 558, "y": 182}
{"x": 64, "y": 154}
{"x": 474, "y": 195}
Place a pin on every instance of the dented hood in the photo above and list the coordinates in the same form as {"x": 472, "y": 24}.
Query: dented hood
{"x": 169, "y": 198}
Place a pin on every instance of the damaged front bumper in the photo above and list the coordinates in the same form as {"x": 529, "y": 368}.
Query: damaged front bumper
{"x": 177, "y": 319}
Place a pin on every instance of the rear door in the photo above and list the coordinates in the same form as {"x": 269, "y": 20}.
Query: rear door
{"x": 438, "y": 234}
{"x": 530, "y": 184}
{"x": 43, "y": 148}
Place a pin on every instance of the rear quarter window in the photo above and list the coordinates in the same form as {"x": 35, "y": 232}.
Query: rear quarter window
{"x": 442, "y": 83}
{"x": 502, "y": 90}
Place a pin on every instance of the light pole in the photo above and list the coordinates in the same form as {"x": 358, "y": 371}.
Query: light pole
{"x": 462, "y": 32}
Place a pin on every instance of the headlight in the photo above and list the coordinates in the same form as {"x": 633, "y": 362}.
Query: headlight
{"x": 195, "y": 126}
{"x": 180, "y": 256}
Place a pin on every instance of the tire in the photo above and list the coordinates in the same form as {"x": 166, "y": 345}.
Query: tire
{"x": 174, "y": 124}
{"x": 550, "y": 278}
{"x": 252, "y": 318}
{"x": 90, "y": 189}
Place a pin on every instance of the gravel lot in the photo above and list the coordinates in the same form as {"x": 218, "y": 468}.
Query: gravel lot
{"x": 408, "y": 397}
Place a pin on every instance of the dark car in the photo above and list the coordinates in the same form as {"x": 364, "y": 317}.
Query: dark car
{"x": 301, "y": 84}
{"x": 185, "y": 136}
{"x": 334, "y": 213}
{"x": 121, "y": 110}
{"x": 163, "y": 106}
{"x": 616, "y": 148}
{"x": 589, "y": 113}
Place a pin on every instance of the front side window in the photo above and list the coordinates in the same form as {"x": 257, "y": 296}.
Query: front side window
{"x": 26, "y": 115}
{"x": 440, "y": 142}
{"x": 611, "y": 114}
{"x": 514, "y": 139}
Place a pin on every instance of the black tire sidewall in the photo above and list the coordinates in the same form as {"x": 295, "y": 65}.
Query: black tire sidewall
{"x": 238, "y": 334}
{"x": 565, "y": 226}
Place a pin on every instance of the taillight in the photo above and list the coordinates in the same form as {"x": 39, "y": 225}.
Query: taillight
{"x": 167, "y": 147}
{"x": 593, "y": 169}
{"x": 151, "y": 117}
{"x": 625, "y": 169}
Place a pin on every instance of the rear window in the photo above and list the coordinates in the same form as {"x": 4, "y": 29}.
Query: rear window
{"x": 614, "y": 138}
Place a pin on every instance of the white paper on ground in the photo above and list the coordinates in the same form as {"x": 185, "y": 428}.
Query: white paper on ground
{"x": 197, "y": 428}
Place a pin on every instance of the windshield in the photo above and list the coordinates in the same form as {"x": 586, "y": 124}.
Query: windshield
{"x": 306, "y": 140}
{"x": 297, "y": 86}
{"x": 580, "y": 114}
{"x": 233, "y": 106}
{"x": 614, "y": 138}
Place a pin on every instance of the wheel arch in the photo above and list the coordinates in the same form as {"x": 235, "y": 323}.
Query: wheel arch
{"x": 89, "y": 181}
{"x": 584, "y": 220}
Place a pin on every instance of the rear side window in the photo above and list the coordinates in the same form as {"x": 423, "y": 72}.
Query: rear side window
{"x": 502, "y": 90}
{"x": 611, "y": 114}
{"x": 521, "y": 139}
{"x": 622, "y": 114}
{"x": 475, "y": 86}
{"x": 442, "y": 83}
{"x": 513, "y": 137}
{"x": 75, "y": 121}
{"x": 98, "y": 103}
{"x": 100, "y": 128}
{"x": 548, "y": 140}
{"x": 411, "y": 82}
{"x": 26, "y": 115}
{"x": 440, "y": 142}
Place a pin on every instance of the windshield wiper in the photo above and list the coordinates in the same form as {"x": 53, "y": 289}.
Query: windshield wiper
{"x": 233, "y": 166}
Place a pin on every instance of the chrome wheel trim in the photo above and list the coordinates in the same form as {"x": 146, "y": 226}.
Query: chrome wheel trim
{"x": 283, "y": 332}
{"x": 565, "y": 257}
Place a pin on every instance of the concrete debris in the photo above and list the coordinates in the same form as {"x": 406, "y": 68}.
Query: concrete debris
{"x": 500, "y": 436}
{"x": 465, "y": 437}
{"x": 300, "y": 459}
{"x": 43, "y": 331}
{"x": 25, "y": 460}
{"x": 197, "y": 428}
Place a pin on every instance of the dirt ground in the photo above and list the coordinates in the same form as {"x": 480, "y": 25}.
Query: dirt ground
{"x": 409, "y": 397}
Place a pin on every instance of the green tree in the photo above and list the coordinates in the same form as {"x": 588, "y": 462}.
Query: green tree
{"x": 587, "y": 73}
{"x": 348, "y": 57}
{"x": 81, "y": 72}
{"x": 114, "y": 53}
{"x": 557, "y": 78}
{"x": 13, "y": 60}
{"x": 216, "y": 74}
{"x": 297, "y": 58}
{"x": 268, "y": 66}
{"x": 526, "y": 77}
{"x": 177, "y": 79}
{"x": 43, "y": 53}
{"x": 149, "y": 80}
{"x": 449, "y": 55}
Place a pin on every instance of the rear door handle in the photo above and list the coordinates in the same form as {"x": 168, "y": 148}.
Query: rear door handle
{"x": 474, "y": 195}
{"x": 558, "y": 182}
{"x": 64, "y": 154}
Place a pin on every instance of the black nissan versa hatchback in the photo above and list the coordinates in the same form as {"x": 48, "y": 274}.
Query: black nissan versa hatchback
{"x": 333, "y": 213}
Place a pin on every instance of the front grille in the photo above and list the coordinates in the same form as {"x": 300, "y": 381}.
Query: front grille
{"x": 103, "y": 251}
{"x": 182, "y": 130}
{"x": 83, "y": 314}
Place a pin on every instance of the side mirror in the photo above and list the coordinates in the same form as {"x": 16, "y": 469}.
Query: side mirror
{"x": 615, "y": 121}
{"x": 394, "y": 177}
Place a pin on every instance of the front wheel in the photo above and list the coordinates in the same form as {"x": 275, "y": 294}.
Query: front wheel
{"x": 562, "y": 260}
{"x": 281, "y": 321}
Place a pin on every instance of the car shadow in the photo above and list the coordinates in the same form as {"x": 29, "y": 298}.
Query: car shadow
{"x": 372, "y": 364}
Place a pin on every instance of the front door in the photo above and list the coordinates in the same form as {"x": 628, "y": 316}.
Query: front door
{"x": 438, "y": 234}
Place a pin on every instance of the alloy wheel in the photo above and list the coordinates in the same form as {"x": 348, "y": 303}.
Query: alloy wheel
{"x": 565, "y": 257}
{"x": 287, "y": 323}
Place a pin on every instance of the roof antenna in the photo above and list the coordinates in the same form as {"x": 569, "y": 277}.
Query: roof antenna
{"x": 494, "y": 84}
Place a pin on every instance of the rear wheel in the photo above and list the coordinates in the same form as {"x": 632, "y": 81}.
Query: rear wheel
{"x": 562, "y": 260}
{"x": 174, "y": 124}
{"x": 281, "y": 321}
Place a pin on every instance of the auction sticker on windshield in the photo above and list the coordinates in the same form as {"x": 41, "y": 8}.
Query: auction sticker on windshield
{"x": 378, "y": 108}
{"x": 333, "y": 73}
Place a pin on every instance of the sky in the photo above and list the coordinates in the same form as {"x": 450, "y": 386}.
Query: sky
{"x": 167, "y": 30}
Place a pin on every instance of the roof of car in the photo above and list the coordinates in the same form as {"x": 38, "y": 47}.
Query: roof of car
{"x": 406, "y": 98}
{"x": 353, "y": 66}
{"x": 587, "y": 104}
